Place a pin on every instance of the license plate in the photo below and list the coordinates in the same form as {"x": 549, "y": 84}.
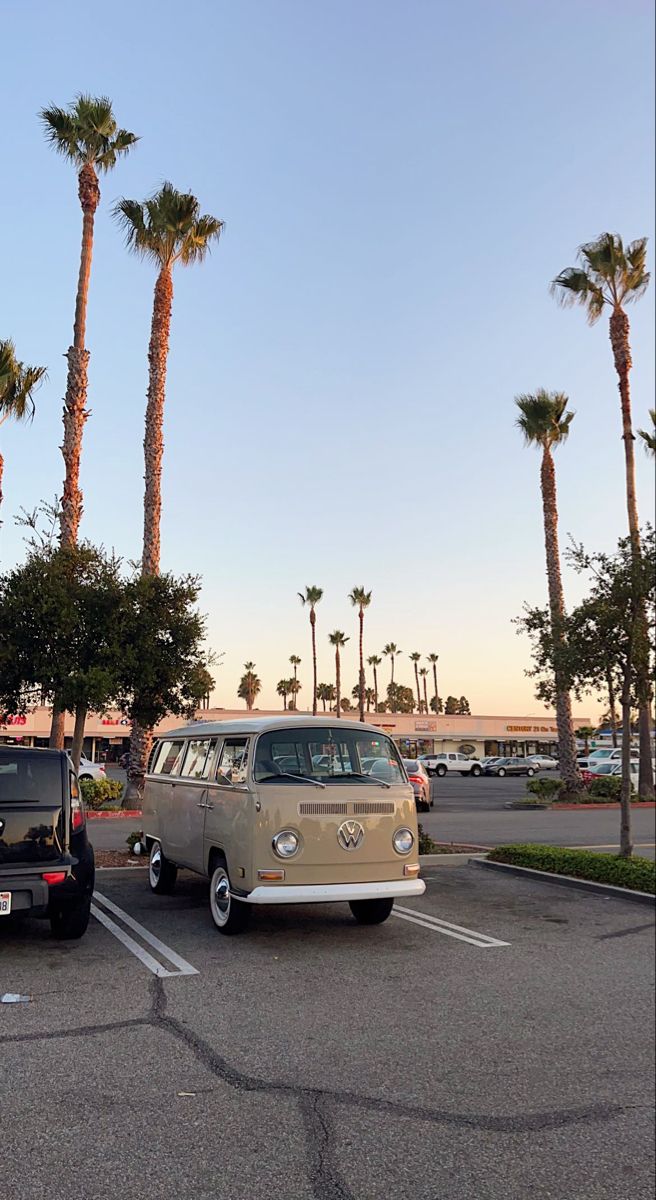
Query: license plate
{"x": 5, "y": 904}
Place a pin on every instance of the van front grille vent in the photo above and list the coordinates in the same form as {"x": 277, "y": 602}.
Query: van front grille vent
{"x": 372, "y": 806}
{"x": 309, "y": 808}
{"x": 345, "y": 808}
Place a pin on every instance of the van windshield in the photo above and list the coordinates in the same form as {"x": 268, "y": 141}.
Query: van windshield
{"x": 328, "y": 756}
{"x": 29, "y": 777}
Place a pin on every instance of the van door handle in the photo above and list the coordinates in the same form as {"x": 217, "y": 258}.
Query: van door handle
{"x": 201, "y": 805}
{"x": 209, "y": 806}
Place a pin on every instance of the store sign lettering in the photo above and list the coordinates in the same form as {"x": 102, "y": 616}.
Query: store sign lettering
{"x": 530, "y": 729}
{"x": 14, "y": 721}
{"x": 113, "y": 721}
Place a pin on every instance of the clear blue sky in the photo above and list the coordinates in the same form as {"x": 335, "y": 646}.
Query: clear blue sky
{"x": 399, "y": 182}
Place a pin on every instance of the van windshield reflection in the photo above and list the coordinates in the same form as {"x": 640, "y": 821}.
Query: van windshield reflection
{"x": 327, "y": 757}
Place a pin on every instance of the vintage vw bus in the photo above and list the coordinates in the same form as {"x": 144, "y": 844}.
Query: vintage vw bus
{"x": 287, "y": 810}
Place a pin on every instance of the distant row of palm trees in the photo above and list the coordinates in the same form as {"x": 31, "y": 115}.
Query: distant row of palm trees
{"x": 607, "y": 274}
{"x": 331, "y": 694}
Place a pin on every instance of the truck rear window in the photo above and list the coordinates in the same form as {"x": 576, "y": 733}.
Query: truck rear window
{"x": 29, "y": 778}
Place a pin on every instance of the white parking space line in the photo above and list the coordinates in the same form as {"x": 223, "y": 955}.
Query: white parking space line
{"x": 481, "y": 940}
{"x": 182, "y": 966}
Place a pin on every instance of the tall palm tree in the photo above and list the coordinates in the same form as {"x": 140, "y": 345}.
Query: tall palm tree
{"x": 282, "y": 689}
{"x": 85, "y": 133}
{"x": 545, "y": 422}
{"x": 295, "y": 662}
{"x": 311, "y": 599}
{"x": 649, "y": 435}
{"x": 166, "y": 229}
{"x": 391, "y": 651}
{"x": 338, "y": 640}
{"x": 608, "y": 273}
{"x": 249, "y": 685}
{"x": 433, "y": 660}
{"x": 374, "y": 661}
{"x": 17, "y": 384}
{"x": 423, "y": 671}
{"x": 415, "y": 658}
{"x": 361, "y": 600}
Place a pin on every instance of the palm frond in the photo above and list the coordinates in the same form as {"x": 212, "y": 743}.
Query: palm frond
{"x": 167, "y": 226}
{"x": 86, "y": 132}
{"x": 17, "y": 384}
{"x": 543, "y": 417}
{"x": 649, "y": 436}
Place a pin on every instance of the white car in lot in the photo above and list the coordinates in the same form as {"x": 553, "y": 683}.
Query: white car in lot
{"x": 439, "y": 764}
{"x": 544, "y": 762}
{"x": 89, "y": 769}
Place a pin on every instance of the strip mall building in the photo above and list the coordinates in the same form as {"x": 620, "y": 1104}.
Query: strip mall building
{"x": 107, "y": 736}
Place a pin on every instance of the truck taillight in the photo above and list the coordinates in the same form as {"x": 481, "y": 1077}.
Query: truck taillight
{"x": 77, "y": 814}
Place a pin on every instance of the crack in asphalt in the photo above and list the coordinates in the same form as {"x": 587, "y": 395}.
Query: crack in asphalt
{"x": 312, "y": 1102}
{"x": 604, "y": 937}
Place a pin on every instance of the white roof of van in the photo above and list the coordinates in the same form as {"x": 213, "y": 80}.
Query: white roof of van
{"x": 266, "y": 725}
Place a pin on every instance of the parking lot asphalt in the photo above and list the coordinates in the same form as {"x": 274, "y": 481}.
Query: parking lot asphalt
{"x": 494, "y": 1039}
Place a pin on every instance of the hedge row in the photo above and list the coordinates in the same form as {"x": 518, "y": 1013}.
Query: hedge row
{"x": 98, "y": 793}
{"x": 634, "y": 872}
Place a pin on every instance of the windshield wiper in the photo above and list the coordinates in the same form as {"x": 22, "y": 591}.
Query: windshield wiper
{"x": 363, "y": 775}
{"x": 288, "y": 775}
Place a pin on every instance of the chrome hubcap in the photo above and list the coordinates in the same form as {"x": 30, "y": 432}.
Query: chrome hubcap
{"x": 221, "y": 897}
{"x": 156, "y": 864}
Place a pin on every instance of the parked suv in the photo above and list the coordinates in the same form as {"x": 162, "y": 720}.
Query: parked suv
{"x": 439, "y": 764}
{"x": 511, "y": 766}
{"x": 46, "y": 859}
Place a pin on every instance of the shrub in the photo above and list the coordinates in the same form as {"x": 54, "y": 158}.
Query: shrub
{"x": 543, "y": 789}
{"x": 634, "y": 872}
{"x": 132, "y": 839}
{"x": 426, "y": 843}
{"x": 606, "y": 787}
{"x": 99, "y": 792}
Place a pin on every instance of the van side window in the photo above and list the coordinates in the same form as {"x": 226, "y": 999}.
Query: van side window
{"x": 233, "y": 761}
{"x": 195, "y": 758}
{"x": 168, "y": 757}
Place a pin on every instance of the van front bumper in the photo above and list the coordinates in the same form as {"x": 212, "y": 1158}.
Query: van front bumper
{"x": 329, "y": 893}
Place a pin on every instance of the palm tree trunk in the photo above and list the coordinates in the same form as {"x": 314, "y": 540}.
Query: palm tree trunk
{"x": 375, "y": 689}
{"x": 418, "y": 689}
{"x": 361, "y": 681}
{"x": 323, "y": 701}
{"x": 392, "y": 678}
{"x": 566, "y": 737}
{"x": 619, "y": 340}
{"x": 313, "y": 622}
{"x": 612, "y": 705}
{"x": 2, "y": 467}
{"x": 338, "y": 684}
{"x": 78, "y": 734}
{"x": 425, "y": 696}
{"x": 437, "y": 701}
{"x": 626, "y": 840}
{"x": 141, "y": 739}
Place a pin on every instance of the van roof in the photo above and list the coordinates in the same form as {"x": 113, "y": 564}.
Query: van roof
{"x": 267, "y": 724}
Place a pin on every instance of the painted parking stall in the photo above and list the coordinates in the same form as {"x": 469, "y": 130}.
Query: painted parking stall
{"x": 150, "y": 951}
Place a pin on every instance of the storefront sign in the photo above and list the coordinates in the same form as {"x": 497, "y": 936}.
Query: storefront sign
{"x": 426, "y": 726}
{"x": 531, "y": 729}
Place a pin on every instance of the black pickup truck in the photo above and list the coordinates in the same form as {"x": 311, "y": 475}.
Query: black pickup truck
{"x": 46, "y": 860}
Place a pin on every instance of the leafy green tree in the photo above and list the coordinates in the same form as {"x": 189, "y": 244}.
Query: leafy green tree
{"x": 361, "y": 600}
{"x": 463, "y": 707}
{"x": 400, "y": 699}
{"x": 311, "y": 598}
{"x": 545, "y": 422}
{"x": 452, "y": 706}
{"x": 17, "y": 386}
{"x": 611, "y": 275}
{"x": 338, "y": 640}
{"x": 87, "y": 135}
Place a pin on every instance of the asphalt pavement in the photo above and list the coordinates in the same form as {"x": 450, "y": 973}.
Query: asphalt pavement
{"x": 492, "y": 1041}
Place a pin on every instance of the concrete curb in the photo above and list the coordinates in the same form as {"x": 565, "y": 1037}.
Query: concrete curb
{"x": 570, "y": 881}
{"x": 447, "y": 860}
{"x": 638, "y": 804}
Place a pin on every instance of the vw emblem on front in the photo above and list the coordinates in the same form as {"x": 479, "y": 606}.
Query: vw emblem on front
{"x": 350, "y": 835}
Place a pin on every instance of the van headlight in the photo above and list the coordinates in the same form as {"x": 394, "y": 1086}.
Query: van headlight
{"x": 403, "y": 841}
{"x": 286, "y": 843}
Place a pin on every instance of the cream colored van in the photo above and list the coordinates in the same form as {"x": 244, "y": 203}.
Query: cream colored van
{"x": 287, "y": 810}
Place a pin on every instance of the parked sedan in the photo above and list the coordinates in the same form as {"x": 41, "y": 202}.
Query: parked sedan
{"x": 418, "y": 776}
{"x": 89, "y": 769}
{"x": 510, "y": 766}
{"x": 543, "y": 762}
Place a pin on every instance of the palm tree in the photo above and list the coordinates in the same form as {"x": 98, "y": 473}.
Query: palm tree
{"x": 282, "y": 689}
{"x": 311, "y": 598}
{"x": 87, "y": 135}
{"x": 545, "y": 422}
{"x": 330, "y": 694}
{"x": 415, "y": 658}
{"x": 322, "y": 693}
{"x": 374, "y": 661}
{"x": 649, "y": 435}
{"x": 249, "y": 685}
{"x": 361, "y": 600}
{"x": 338, "y": 640}
{"x": 586, "y": 732}
{"x": 166, "y": 229}
{"x": 423, "y": 671}
{"x": 17, "y": 383}
{"x": 608, "y": 273}
{"x": 294, "y": 688}
{"x": 433, "y": 660}
{"x": 295, "y": 662}
{"x": 391, "y": 650}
